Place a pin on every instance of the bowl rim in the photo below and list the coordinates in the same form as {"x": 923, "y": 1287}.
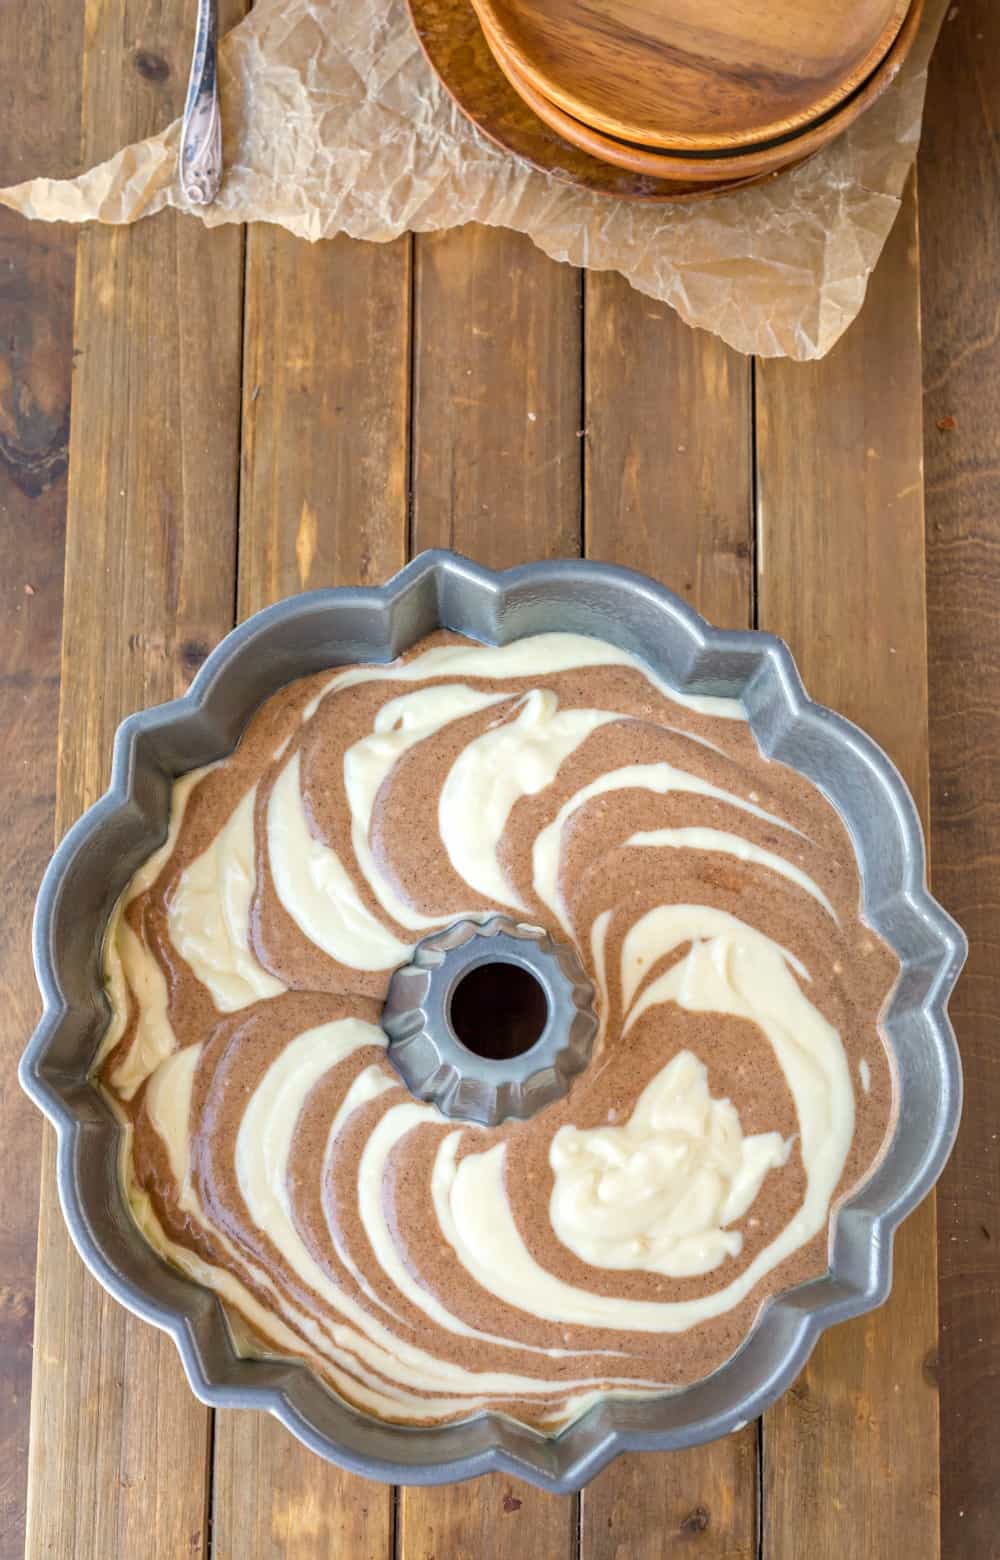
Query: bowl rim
{"x": 750, "y": 160}
{"x": 450, "y": 37}
{"x": 534, "y": 61}
{"x": 219, "y": 1375}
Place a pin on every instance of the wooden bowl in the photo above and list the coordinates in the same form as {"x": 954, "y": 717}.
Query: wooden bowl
{"x": 708, "y": 167}
{"x": 460, "y": 57}
{"x": 694, "y": 75}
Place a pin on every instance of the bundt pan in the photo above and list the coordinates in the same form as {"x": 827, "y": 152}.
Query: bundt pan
{"x": 328, "y": 627}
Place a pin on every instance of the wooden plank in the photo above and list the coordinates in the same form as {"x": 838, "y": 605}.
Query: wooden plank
{"x": 272, "y": 1498}
{"x": 668, "y": 491}
{"x": 149, "y": 587}
{"x": 118, "y": 1456}
{"x": 851, "y": 1452}
{"x": 325, "y": 416}
{"x": 668, "y": 487}
{"x": 36, "y": 359}
{"x": 37, "y": 306}
{"x": 496, "y": 462}
{"x": 960, "y": 260}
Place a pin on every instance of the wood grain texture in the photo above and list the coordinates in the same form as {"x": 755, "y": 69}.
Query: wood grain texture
{"x": 496, "y": 412}
{"x": 36, "y": 356}
{"x": 493, "y": 1518}
{"x": 324, "y": 464}
{"x": 851, "y": 1452}
{"x": 496, "y": 475}
{"x": 325, "y": 414}
{"x": 36, "y": 335}
{"x": 273, "y": 1500}
{"x": 960, "y": 256}
{"x": 119, "y": 1446}
{"x": 668, "y": 446}
{"x": 668, "y": 491}
{"x": 149, "y": 588}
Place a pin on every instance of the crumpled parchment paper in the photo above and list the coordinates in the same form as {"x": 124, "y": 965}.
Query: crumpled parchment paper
{"x": 334, "y": 122}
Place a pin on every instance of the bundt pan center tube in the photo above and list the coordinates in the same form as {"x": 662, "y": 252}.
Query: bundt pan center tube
{"x": 326, "y": 629}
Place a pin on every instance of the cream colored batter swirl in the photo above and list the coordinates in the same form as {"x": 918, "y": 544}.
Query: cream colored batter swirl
{"x": 624, "y": 1239}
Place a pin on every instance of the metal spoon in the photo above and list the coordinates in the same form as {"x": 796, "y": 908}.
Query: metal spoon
{"x": 200, "y": 161}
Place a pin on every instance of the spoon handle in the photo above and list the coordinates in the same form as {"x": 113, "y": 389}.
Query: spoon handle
{"x": 201, "y": 133}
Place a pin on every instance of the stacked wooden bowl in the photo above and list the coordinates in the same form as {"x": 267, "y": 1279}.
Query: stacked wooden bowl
{"x": 703, "y": 93}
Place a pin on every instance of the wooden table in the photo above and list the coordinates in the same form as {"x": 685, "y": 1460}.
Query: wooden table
{"x": 251, "y": 416}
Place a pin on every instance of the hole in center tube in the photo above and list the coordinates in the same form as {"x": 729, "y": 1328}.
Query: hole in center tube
{"x": 498, "y": 1011}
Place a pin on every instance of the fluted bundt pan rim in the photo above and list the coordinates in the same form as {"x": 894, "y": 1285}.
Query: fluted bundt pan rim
{"x": 340, "y": 625}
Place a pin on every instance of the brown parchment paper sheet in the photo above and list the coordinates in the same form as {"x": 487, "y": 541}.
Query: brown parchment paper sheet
{"x": 333, "y": 122}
